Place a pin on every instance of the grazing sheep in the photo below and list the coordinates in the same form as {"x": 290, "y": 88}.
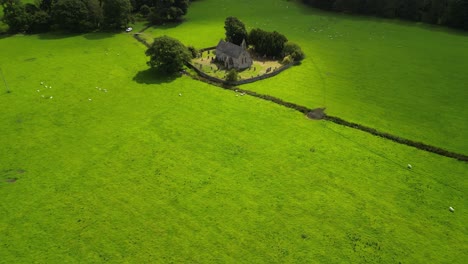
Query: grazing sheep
{"x": 51, "y": 97}
{"x": 180, "y": 94}
{"x": 38, "y": 90}
{"x": 89, "y": 99}
{"x": 42, "y": 83}
{"x": 451, "y": 209}
{"x": 409, "y": 166}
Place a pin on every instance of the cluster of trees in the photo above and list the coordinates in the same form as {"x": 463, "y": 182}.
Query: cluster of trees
{"x": 159, "y": 11}
{"x": 70, "y": 15}
{"x": 453, "y": 13}
{"x": 87, "y": 15}
{"x": 271, "y": 44}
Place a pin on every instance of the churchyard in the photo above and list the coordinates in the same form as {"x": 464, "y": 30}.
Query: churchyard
{"x": 208, "y": 65}
{"x": 160, "y": 169}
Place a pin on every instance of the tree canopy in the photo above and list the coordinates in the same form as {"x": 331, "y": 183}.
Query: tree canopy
{"x": 235, "y": 30}
{"x": 267, "y": 43}
{"x": 453, "y": 13}
{"x": 168, "y": 54}
{"x": 76, "y": 15}
{"x": 168, "y": 10}
{"x": 116, "y": 13}
{"x": 293, "y": 50}
{"x": 87, "y": 15}
{"x": 24, "y": 18}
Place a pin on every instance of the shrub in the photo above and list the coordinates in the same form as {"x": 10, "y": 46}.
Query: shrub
{"x": 193, "y": 51}
{"x": 294, "y": 51}
{"x": 232, "y": 76}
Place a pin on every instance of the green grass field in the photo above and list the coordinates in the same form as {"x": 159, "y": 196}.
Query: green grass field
{"x": 140, "y": 174}
{"x": 361, "y": 69}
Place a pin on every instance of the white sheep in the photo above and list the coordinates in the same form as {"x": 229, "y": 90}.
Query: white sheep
{"x": 409, "y": 166}
{"x": 89, "y": 99}
{"x": 180, "y": 94}
{"x": 451, "y": 209}
{"x": 42, "y": 83}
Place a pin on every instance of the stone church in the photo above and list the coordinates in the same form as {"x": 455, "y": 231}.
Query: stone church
{"x": 233, "y": 56}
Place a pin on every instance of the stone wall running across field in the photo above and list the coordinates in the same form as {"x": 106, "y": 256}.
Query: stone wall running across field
{"x": 312, "y": 113}
{"x": 244, "y": 81}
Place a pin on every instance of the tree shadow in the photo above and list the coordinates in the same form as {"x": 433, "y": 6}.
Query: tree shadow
{"x": 2, "y": 36}
{"x": 154, "y": 76}
{"x": 99, "y": 35}
{"x": 165, "y": 26}
{"x": 57, "y": 35}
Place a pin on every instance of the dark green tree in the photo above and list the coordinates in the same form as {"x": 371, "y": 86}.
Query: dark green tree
{"x": 168, "y": 11}
{"x": 168, "y": 54}
{"x": 193, "y": 51}
{"x": 293, "y": 50}
{"x": 117, "y": 13}
{"x": 235, "y": 30}
{"x": 39, "y": 20}
{"x": 76, "y": 15}
{"x": 15, "y": 15}
{"x": 232, "y": 76}
{"x": 267, "y": 43}
{"x": 45, "y": 5}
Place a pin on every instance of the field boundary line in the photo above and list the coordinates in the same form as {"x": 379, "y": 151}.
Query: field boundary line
{"x": 337, "y": 120}
{"x": 309, "y": 112}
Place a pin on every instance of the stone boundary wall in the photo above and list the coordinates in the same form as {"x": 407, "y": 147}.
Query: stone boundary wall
{"x": 404, "y": 141}
{"x": 240, "y": 82}
{"x": 265, "y": 76}
{"x": 141, "y": 40}
{"x": 307, "y": 111}
{"x": 204, "y": 75}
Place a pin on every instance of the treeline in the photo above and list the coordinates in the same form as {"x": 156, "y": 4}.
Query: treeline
{"x": 452, "y": 13}
{"x": 87, "y": 15}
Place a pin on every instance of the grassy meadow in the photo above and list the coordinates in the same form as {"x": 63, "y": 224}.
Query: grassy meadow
{"x": 136, "y": 173}
{"x": 361, "y": 69}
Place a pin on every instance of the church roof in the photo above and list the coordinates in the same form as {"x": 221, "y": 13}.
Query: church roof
{"x": 230, "y": 49}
